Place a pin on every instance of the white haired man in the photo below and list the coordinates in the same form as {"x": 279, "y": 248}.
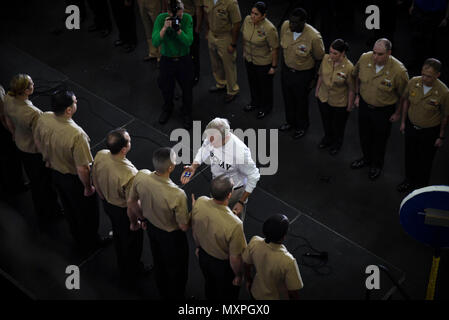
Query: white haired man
{"x": 228, "y": 155}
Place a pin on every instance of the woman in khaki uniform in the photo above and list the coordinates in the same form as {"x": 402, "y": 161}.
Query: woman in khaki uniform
{"x": 260, "y": 49}
{"x": 335, "y": 95}
{"x": 21, "y": 117}
{"x": 276, "y": 270}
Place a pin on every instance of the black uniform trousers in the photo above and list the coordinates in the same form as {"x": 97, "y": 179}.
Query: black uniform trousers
{"x": 125, "y": 20}
{"x": 43, "y": 193}
{"x": 218, "y": 276}
{"x": 11, "y": 175}
{"x": 81, "y": 212}
{"x": 374, "y": 131}
{"x": 100, "y": 8}
{"x": 171, "y": 261}
{"x": 127, "y": 243}
{"x": 260, "y": 86}
{"x": 179, "y": 70}
{"x": 195, "y": 50}
{"x": 334, "y": 123}
{"x": 419, "y": 153}
{"x": 295, "y": 89}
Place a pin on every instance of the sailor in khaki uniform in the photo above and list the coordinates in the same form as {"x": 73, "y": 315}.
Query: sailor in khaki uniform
{"x": 112, "y": 174}
{"x": 65, "y": 148}
{"x": 11, "y": 177}
{"x": 218, "y": 234}
{"x": 223, "y": 20}
{"x": 335, "y": 94}
{"x": 381, "y": 80}
{"x": 164, "y": 206}
{"x": 21, "y": 117}
{"x": 303, "y": 48}
{"x": 276, "y": 270}
{"x": 149, "y": 10}
{"x": 424, "y": 118}
{"x": 260, "y": 49}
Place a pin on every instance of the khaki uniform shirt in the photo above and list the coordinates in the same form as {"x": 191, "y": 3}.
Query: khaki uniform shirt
{"x": 276, "y": 270}
{"x": 217, "y": 229}
{"x": 259, "y": 41}
{"x": 335, "y": 82}
{"x": 64, "y": 144}
{"x": 427, "y": 110}
{"x": 383, "y": 88}
{"x": 222, "y": 15}
{"x": 24, "y": 116}
{"x": 164, "y": 204}
{"x": 114, "y": 177}
{"x": 301, "y": 54}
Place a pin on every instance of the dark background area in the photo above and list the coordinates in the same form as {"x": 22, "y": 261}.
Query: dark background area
{"x": 336, "y": 209}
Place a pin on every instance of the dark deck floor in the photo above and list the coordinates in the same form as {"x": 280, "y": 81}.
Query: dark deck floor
{"x": 336, "y": 209}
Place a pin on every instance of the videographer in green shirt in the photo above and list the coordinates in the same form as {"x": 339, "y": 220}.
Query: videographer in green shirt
{"x": 173, "y": 32}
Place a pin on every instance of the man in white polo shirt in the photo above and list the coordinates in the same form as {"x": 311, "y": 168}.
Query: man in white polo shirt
{"x": 227, "y": 154}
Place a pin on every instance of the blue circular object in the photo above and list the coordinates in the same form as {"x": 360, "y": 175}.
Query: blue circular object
{"x": 424, "y": 214}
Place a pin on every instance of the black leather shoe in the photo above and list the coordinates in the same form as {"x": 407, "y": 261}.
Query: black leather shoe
{"x": 165, "y": 115}
{"x": 334, "y": 150}
{"x": 248, "y": 108}
{"x": 359, "y": 163}
{"x": 129, "y": 47}
{"x": 118, "y": 43}
{"x": 323, "y": 144}
{"x": 229, "y": 97}
{"x": 105, "y": 32}
{"x": 285, "y": 127}
{"x": 216, "y": 89}
{"x": 405, "y": 186}
{"x": 261, "y": 115}
{"x": 374, "y": 173}
{"x": 299, "y": 134}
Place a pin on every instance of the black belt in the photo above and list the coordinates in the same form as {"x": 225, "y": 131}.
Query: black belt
{"x": 239, "y": 187}
{"x": 174, "y": 58}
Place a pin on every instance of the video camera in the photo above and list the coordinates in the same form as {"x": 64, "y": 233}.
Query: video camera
{"x": 175, "y": 20}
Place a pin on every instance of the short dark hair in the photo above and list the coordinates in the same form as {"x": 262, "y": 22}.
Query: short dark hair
{"x": 61, "y": 100}
{"x": 340, "y": 45}
{"x": 116, "y": 140}
{"x": 275, "y": 228}
{"x": 162, "y": 159}
{"x": 221, "y": 187}
{"x": 434, "y": 64}
{"x": 299, "y": 13}
{"x": 261, "y": 7}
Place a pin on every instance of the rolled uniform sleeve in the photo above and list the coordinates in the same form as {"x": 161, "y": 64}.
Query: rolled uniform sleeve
{"x": 127, "y": 188}
{"x": 246, "y": 255}
{"x": 237, "y": 243}
{"x": 234, "y": 12}
{"x": 181, "y": 211}
{"x": 250, "y": 170}
{"x": 318, "y": 48}
{"x": 406, "y": 92}
{"x": 355, "y": 71}
{"x": 351, "y": 80}
{"x": 401, "y": 82}
{"x": 81, "y": 152}
{"x": 133, "y": 193}
{"x": 293, "y": 279}
{"x": 273, "y": 38}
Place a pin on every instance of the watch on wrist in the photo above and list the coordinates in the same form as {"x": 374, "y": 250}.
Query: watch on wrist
{"x": 241, "y": 202}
